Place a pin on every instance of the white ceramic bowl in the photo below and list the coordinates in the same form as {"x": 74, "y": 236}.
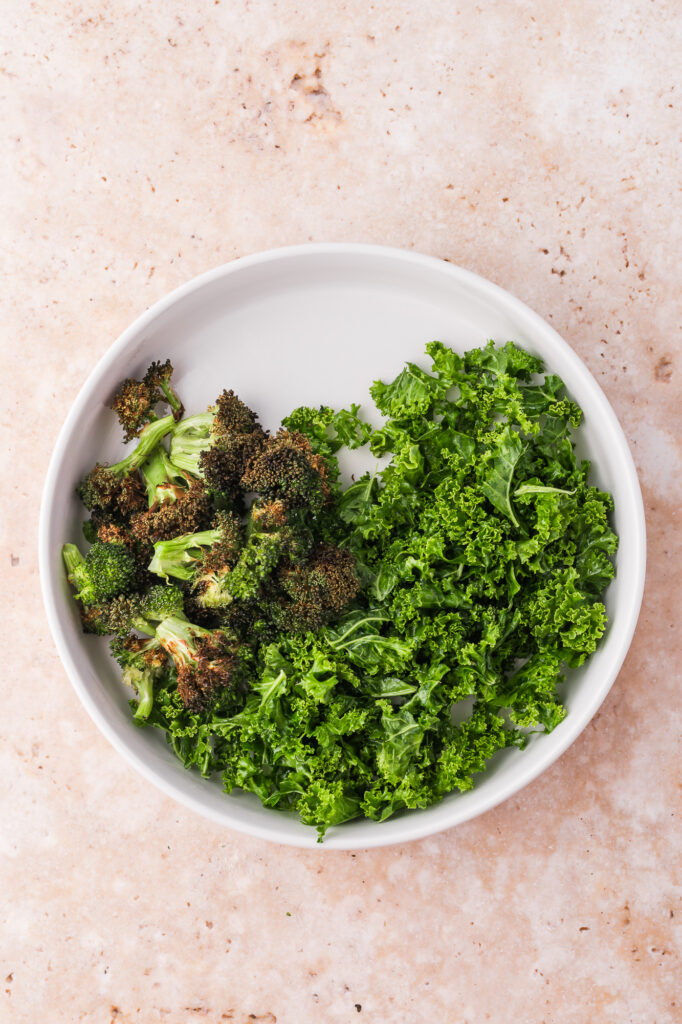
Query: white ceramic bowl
{"x": 308, "y": 325}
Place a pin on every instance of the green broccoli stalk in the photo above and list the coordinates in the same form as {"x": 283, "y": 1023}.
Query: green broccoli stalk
{"x": 107, "y": 570}
{"x": 178, "y": 556}
{"x": 136, "y": 400}
{"x": 164, "y": 482}
{"x": 117, "y": 487}
{"x": 189, "y": 439}
{"x": 181, "y": 556}
{"x": 144, "y": 664}
{"x": 158, "y": 379}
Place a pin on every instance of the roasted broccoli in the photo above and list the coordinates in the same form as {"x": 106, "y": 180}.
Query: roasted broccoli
{"x": 218, "y": 445}
{"x": 316, "y": 591}
{"x": 118, "y": 488}
{"x": 272, "y": 535}
{"x": 177, "y": 509}
{"x": 106, "y": 571}
{"x": 144, "y": 664}
{"x": 136, "y": 400}
{"x": 206, "y": 660}
{"x": 286, "y": 469}
{"x": 182, "y": 557}
{"x": 178, "y": 502}
{"x": 163, "y": 481}
{"x": 144, "y": 660}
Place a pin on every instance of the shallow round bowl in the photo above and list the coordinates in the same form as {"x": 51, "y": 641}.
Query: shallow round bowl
{"x": 313, "y": 325}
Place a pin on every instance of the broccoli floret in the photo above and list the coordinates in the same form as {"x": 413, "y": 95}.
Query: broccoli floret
{"x": 95, "y": 619}
{"x": 181, "y": 556}
{"x": 318, "y": 591}
{"x": 158, "y": 377}
{"x": 259, "y": 556}
{"x": 224, "y": 463}
{"x": 190, "y": 513}
{"x": 272, "y": 534}
{"x": 109, "y": 530}
{"x": 160, "y": 601}
{"x": 233, "y": 417}
{"x": 286, "y": 469}
{"x": 178, "y": 502}
{"x": 217, "y": 445}
{"x": 106, "y": 571}
{"x": 144, "y": 664}
{"x": 140, "y": 612}
{"x": 117, "y": 488}
{"x": 206, "y": 660}
{"x": 136, "y": 400}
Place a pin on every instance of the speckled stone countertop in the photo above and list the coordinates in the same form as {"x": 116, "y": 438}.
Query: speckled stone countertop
{"x": 535, "y": 143}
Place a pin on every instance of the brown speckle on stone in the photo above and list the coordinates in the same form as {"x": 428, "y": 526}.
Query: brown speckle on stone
{"x": 664, "y": 369}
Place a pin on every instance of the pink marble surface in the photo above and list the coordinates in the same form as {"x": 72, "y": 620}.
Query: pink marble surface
{"x": 535, "y": 143}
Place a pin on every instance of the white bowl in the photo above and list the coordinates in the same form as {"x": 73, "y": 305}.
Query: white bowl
{"x": 309, "y": 325}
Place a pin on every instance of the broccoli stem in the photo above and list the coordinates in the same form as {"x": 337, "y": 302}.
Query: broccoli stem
{"x": 177, "y": 635}
{"x": 162, "y": 479}
{"x": 171, "y": 397}
{"x": 178, "y": 557}
{"x": 149, "y": 439}
{"x": 142, "y": 682}
{"x": 189, "y": 439}
{"x": 72, "y": 560}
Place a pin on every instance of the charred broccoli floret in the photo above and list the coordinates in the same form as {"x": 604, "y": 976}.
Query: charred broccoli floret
{"x": 106, "y": 571}
{"x": 217, "y": 445}
{"x": 190, "y": 512}
{"x": 178, "y": 502}
{"x": 206, "y": 660}
{"x": 117, "y": 488}
{"x": 136, "y": 400}
{"x": 181, "y": 557}
{"x": 144, "y": 664}
{"x": 286, "y": 469}
{"x": 318, "y": 591}
{"x": 126, "y": 612}
{"x": 158, "y": 377}
{"x": 272, "y": 534}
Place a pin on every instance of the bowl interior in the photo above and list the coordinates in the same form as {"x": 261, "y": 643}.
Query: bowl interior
{"x": 314, "y": 325}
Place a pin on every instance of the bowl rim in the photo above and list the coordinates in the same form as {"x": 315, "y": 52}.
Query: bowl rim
{"x": 419, "y": 827}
